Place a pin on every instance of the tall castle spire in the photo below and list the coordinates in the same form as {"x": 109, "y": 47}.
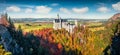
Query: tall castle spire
{"x": 58, "y": 16}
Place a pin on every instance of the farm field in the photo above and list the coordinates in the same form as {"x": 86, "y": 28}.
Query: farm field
{"x": 27, "y": 27}
{"x": 95, "y": 26}
{"x": 97, "y": 29}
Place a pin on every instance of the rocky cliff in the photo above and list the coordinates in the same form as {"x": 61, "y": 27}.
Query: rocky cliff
{"x": 8, "y": 42}
{"x": 115, "y": 17}
{"x": 113, "y": 20}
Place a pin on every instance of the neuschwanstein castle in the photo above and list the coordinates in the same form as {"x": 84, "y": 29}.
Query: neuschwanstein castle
{"x": 64, "y": 23}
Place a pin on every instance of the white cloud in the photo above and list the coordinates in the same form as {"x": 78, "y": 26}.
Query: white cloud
{"x": 101, "y": 4}
{"x": 80, "y": 10}
{"x": 54, "y": 4}
{"x": 43, "y": 9}
{"x": 13, "y": 9}
{"x": 116, "y": 6}
{"x": 65, "y": 10}
{"x": 26, "y": 6}
{"x": 103, "y": 9}
{"x": 28, "y": 10}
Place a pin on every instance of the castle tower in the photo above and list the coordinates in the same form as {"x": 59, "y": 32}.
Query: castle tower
{"x": 58, "y": 16}
{"x": 76, "y": 23}
{"x": 60, "y": 21}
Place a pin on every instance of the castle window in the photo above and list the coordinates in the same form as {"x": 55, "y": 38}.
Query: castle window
{"x": 57, "y": 20}
{"x": 63, "y": 20}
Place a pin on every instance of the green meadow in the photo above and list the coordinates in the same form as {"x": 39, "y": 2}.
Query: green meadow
{"x": 27, "y": 27}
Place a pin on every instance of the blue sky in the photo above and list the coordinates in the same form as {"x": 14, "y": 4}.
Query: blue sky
{"x": 87, "y": 9}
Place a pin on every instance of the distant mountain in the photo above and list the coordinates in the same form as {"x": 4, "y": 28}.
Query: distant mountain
{"x": 51, "y": 19}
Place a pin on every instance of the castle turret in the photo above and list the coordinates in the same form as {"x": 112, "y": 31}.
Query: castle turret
{"x": 76, "y": 23}
{"x": 60, "y": 22}
{"x": 58, "y": 16}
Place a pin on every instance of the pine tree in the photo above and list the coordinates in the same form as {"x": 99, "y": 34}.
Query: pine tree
{"x": 11, "y": 23}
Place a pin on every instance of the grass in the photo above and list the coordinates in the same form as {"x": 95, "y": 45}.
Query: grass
{"x": 27, "y": 27}
{"x": 95, "y": 26}
{"x": 94, "y": 23}
{"x": 97, "y": 29}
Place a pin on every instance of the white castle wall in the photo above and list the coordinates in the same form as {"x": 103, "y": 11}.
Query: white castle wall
{"x": 68, "y": 27}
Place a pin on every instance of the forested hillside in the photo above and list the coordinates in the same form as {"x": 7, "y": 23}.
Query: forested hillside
{"x": 48, "y": 41}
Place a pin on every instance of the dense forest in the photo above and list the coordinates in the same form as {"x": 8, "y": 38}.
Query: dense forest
{"x": 48, "y": 41}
